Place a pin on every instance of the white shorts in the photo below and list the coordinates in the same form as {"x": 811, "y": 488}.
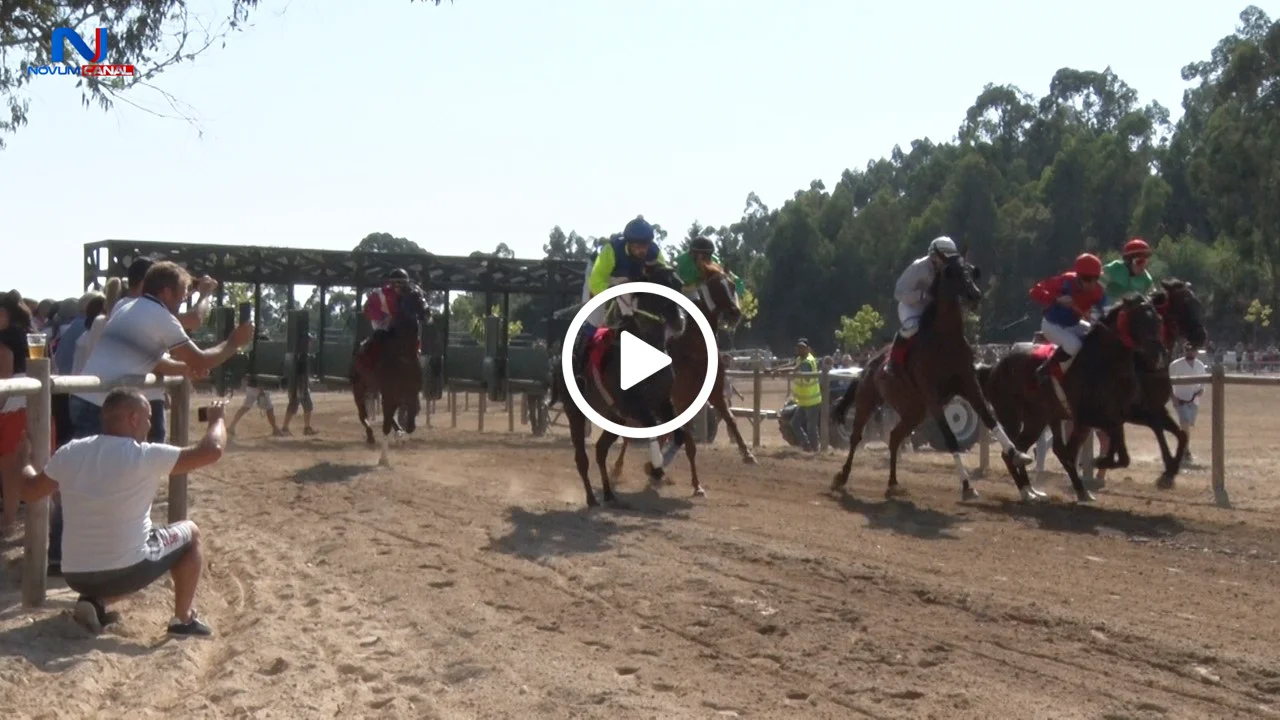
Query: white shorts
{"x": 1187, "y": 412}
{"x": 257, "y": 396}
{"x": 909, "y": 319}
{"x": 1070, "y": 339}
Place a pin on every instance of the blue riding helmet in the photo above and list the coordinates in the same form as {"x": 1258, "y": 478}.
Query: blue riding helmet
{"x": 638, "y": 231}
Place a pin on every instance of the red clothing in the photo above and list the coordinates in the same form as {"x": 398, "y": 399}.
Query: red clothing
{"x": 381, "y": 305}
{"x": 1046, "y": 294}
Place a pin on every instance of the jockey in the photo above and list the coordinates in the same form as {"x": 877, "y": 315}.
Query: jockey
{"x": 622, "y": 259}
{"x": 1129, "y": 273}
{"x": 1067, "y": 300}
{"x": 912, "y": 294}
{"x": 380, "y": 308}
{"x": 691, "y": 264}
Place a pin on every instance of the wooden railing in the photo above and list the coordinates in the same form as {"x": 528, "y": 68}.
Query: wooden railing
{"x": 39, "y": 387}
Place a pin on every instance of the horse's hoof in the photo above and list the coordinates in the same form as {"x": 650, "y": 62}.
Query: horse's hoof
{"x": 1040, "y": 494}
{"x": 655, "y": 474}
{"x": 1085, "y": 497}
{"x": 750, "y": 459}
{"x": 1020, "y": 459}
{"x": 968, "y": 493}
{"x": 699, "y": 492}
{"x": 1030, "y": 494}
{"x": 592, "y": 502}
{"x": 895, "y": 491}
{"x": 838, "y": 481}
{"x": 1165, "y": 482}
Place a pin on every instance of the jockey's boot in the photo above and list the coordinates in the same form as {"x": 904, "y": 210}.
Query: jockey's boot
{"x": 1043, "y": 371}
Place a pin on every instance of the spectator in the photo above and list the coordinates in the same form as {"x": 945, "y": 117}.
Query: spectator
{"x": 15, "y": 323}
{"x": 255, "y": 394}
{"x": 70, "y": 328}
{"x": 94, "y": 323}
{"x": 846, "y": 360}
{"x": 300, "y": 390}
{"x": 107, "y": 483}
{"x": 808, "y": 396}
{"x": 136, "y": 339}
{"x": 1186, "y": 398}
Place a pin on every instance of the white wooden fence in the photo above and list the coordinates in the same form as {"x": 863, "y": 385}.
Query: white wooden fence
{"x": 39, "y": 387}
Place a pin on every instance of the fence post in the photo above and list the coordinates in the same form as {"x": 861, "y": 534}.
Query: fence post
{"x": 35, "y": 559}
{"x": 1218, "y": 394}
{"x": 757, "y": 388}
{"x": 824, "y": 422}
{"x": 180, "y": 435}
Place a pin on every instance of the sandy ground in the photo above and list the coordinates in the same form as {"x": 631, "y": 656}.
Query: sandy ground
{"x": 468, "y": 582}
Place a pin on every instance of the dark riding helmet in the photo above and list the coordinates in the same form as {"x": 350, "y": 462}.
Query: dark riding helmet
{"x": 397, "y": 274}
{"x": 638, "y": 231}
{"x": 702, "y": 245}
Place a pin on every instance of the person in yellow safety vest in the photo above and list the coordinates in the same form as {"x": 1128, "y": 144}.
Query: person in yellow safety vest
{"x": 807, "y": 392}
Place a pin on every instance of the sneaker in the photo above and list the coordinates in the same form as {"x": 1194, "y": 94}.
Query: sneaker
{"x": 90, "y": 614}
{"x": 194, "y": 626}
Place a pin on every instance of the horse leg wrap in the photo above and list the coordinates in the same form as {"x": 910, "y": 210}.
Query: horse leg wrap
{"x": 1003, "y": 438}
{"x": 960, "y": 470}
{"x": 655, "y": 453}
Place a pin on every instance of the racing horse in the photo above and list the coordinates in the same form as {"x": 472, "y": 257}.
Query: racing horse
{"x": 717, "y": 300}
{"x": 394, "y": 375}
{"x": 939, "y": 366}
{"x": 1099, "y": 389}
{"x": 648, "y": 403}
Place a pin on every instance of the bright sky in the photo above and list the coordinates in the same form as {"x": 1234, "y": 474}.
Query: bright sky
{"x": 491, "y": 121}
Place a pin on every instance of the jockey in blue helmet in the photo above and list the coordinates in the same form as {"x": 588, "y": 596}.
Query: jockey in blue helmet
{"x": 622, "y": 259}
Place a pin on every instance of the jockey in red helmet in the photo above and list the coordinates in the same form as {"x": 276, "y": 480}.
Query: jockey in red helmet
{"x": 380, "y": 308}
{"x": 1068, "y": 299}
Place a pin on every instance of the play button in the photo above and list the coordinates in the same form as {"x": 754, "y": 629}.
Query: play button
{"x": 639, "y": 360}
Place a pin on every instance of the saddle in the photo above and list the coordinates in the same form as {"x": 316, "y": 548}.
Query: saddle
{"x": 1057, "y": 372}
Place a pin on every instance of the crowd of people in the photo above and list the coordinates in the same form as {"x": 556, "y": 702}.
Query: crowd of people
{"x": 109, "y": 447}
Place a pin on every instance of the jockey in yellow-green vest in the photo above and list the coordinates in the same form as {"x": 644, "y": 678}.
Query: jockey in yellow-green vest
{"x": 1129, "y": 273}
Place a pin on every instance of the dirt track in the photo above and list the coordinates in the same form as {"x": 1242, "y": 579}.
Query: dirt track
{"x": 467, "y": 581}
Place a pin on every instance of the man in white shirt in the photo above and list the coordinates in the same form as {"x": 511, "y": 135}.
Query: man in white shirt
{"x": 107, "y": 483}
{"x": 1186, "y": 398}
{"x": 137, "y": 337}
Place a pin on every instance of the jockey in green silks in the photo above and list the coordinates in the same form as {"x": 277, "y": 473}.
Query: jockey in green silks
{"x": 1129, "y": 274}
{"x": 691, "y": 264}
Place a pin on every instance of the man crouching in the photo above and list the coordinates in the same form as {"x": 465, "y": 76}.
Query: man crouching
{"x": 107, "y": 482}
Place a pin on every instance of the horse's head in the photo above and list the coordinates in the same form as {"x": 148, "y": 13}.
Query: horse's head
{"x": 656, "y": 307}
{"x": 957, "y": 281}
{"x": 720, "y": 296}
{"x": 1137, "y": 323}
{"x": 413, "y": 304}
{"x": 1182, "y": 313}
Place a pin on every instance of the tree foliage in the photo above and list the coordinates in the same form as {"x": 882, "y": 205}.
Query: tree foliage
{"x": 854, "y": 333}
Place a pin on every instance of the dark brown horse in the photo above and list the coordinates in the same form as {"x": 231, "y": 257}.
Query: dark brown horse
{"x": 646, "y": 404}
{"x": 1098, "y": 390}
{"x": 395, "y": 374}
{"x": 717, "y": 300}
{"x": 1183, "y": 318}
{"x": 938, "y": 367}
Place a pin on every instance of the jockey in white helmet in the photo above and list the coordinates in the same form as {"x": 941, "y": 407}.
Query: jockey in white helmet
{"x": 912, "y": 294}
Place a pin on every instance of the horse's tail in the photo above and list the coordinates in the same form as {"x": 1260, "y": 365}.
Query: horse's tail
{"x": 842, "y": 408}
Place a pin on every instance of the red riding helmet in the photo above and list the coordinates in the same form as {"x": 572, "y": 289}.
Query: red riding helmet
{"x": 1088, "y": 266}
{"x": 1136, "y": 247}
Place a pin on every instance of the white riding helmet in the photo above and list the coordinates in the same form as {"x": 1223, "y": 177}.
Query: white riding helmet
{"x": 943, "y": 245}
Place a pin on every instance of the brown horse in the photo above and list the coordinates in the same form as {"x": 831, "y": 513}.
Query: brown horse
{"x": 938, "y": 368}
{"x": 395, "y": 374}
{"x": 1182, "y": 315}
{"x": 717, "y": 300}
{"x": 1098, "y": 390}
{"x": 645, "y": 404}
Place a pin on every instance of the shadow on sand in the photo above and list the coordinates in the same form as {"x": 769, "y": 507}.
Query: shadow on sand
{"x": 55, "y": 643}
{"x": 1086, "y": 519}
{"x": 582, "y": 531}
{"x": 325, "y": 472}
{"x": 901, "y": 516}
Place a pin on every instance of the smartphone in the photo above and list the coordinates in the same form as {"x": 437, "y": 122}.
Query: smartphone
{"x": 203, "y": 414}
{"x": 246, "y": 312}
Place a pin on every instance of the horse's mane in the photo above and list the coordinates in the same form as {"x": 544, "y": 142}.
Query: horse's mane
{"x": 930, "y": 314}
{"x": 712, "y": 268}
{"x": 1128, "y": 302}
